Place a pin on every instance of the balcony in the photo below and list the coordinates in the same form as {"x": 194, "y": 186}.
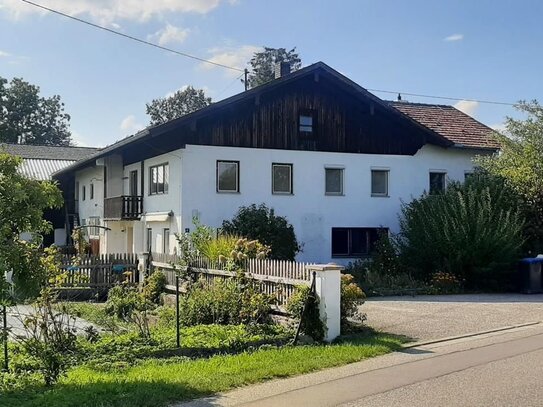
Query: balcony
{"x": 125, "y": 207}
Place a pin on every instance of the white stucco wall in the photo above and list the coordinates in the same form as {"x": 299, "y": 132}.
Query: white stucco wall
{"x": 311, "y": 212}
{"x": 91, "y": 207}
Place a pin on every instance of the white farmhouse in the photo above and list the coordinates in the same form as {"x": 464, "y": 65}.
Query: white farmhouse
{"x": 333, "y": 158}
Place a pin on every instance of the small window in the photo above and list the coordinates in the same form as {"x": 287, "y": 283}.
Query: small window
{"x": 282, "y": 178}
{"x": 334, "y": 181}
{"x": 306, "y": 123}
{"x": 93, "y": 232}
{"x": 149, "y": 240}
{"x": 437, "y": 182}
{"x": 166, "y": 241}
{"x": 379, "y": 182}
{"x": 76, "y": 192}
{"x": 158, "y": 179}
{"x": 133, "y": 183}
{"x": 91, "y": 191}
{"x": 227, "y": 176}
{"x": 84, "y": 192}
{"x": 354, "y": 242}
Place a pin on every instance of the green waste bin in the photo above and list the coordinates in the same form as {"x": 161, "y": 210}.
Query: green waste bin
{"x": 530, "y": 275}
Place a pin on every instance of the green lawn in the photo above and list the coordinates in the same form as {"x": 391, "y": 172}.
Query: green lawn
{"x": 156, "y": 382}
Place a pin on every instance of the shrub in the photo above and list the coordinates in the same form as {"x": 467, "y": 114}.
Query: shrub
{"x": 352, "y": 297}
{"x": 261, "y": 223}
{"x": 472, "y": 230}
{"x": 311, "y": 323}
{"x": 230, "y": 301}
{"x": 122, "y": 300}
{"x": 155, "y": 285}
{"x": 445, "y": 283}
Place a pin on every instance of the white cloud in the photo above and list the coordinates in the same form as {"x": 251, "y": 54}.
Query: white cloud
{"x": 107, "y": 11}
{"x": 467, "y": 106}
{"x": 169, "y": 34}
{"x": 130, "y": 124}
{"x": 4, "y": 54}
{"x": 236, "y": 57}
{"x": 454, "y": 37}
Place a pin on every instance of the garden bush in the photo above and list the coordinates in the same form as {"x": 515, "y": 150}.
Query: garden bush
{"x": 154, "y": 286}
{"x": 472, "y": 230}
{"x": 352, "y": 297}
{"x": 311, "y": 323}
{"x": 262, "y": 224}
{"x": 230, "y": 301}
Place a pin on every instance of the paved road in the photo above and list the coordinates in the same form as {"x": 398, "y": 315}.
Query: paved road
{"x": 434, "y": 317}
{"x": 17, "y": 314}
{"x": 500, "y": 369}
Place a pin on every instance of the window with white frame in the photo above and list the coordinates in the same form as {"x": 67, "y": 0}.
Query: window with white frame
{"x": 282, "y": 179}
{"x": 333, "y": 181}
{"x": 158, "y": 179}
{"x": 93, "y": 232}
{"x": 227, "y": 176}
{"x": 166, "y": 241}
{"x": 437, "y": 181}
{"x": 149, "y": 242}
{"x": 306, "y": 123}
{"x": 379, "y": 182}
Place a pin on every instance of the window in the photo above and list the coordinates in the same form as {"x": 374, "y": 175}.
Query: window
{"x": 158, "y": 179}
{"x": 379, "y": 182}
{"x": 149, "y": 240}
{"x": 282, "y": 178}
{"x": 76, "y": 192}
{"x": 166, "y": 241}
{"x": 334, "y": 181}
{"x": 354, "y": 242}
{"x": 91, "y": 191}
{"x": 105, "y": 182}
{"x": 83, "y": 192}
{"x": 92, "y": 231}
{"x": 437, "y": 182}
{"x": 227, "y": 176}
{"x": 306, "y": 123}
{"x": 133, "y": 183}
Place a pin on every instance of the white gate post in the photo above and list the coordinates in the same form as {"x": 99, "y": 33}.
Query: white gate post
{"x": 142, "y": 261}
{"x": 328, "y": 287}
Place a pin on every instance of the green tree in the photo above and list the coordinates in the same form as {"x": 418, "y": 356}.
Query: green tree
{"x": 22, "y": 203}
{"x": 520, "y": 163}
{"x": 182, "y": 102}
{"x": 28, "y": 118}
{"x": 262, "y": 224}
{"x": 472, "y": 230}
{"x": 263, "y": 64}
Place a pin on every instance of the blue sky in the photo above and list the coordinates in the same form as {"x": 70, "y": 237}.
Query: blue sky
{"x": 489, "y": 50}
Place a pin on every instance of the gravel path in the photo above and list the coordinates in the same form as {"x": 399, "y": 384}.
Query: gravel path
{"x": 429, "y": 317}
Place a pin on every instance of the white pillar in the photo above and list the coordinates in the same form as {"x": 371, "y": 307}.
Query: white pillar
{"x": 142, "y": 260}
{"x": 328, "y": 287}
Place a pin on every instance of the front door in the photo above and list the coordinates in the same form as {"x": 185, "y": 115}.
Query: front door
{"x": 133, "y": 183}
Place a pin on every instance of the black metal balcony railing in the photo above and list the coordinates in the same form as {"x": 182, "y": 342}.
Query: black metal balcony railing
{"x": 124, "y": 207}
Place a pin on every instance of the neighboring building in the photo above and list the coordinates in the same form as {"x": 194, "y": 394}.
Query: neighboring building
{"x": 333, "y": 158}
{"x": 39, "y": 163}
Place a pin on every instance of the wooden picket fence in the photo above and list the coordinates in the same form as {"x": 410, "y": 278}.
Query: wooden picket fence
{"x": 274, "y": 277}
{"x": 99, "y": 271}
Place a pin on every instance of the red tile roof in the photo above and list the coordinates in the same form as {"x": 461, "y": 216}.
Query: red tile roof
{"x": 450, "y": 123}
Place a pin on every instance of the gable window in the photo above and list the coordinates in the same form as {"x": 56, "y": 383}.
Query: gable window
{"x": 83, "y": 193}
{"x": 91, "y": 191}
{"x": 133, "y": 183}
{"x": 227, "y": 176}
{"x": 282, "y": 178}
{"x": 306, "y": 123}
{"x": 354, "y": 242}
{"x": 333, "y": 181}
{"x": 158, "y": 179}
{"x": 379, "y": 182}
{"x": 437, "y": 182}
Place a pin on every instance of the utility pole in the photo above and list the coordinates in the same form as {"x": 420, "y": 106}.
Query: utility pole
{"x": 246, "y": 73}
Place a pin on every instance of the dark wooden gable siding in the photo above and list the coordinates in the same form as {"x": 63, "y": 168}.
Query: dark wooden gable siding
{"x": 344, "y": 123}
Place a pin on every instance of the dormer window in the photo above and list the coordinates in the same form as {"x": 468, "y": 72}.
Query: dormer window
{"x": 306, "y": 123}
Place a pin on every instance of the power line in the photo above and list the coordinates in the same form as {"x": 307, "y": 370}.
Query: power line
{"x": 229, "y": 86}
{"x": 492, "y": 102}
{"x": 184, "y": 54}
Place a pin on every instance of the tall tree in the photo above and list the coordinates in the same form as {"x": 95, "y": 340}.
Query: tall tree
{"x": 263, "y": 64}
{"x": 520, "y": 163}
{"x": 182, "y": 102}
{"x": 28, "y": 118}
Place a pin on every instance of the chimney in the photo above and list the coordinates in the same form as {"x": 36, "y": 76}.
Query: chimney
{"x": 282, "y": 69}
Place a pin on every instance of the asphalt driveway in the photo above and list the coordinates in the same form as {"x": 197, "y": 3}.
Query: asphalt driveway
{"x": 429, "y": 317}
